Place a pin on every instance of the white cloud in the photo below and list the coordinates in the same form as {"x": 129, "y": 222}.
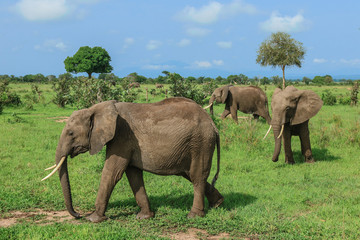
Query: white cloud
{"x": 51, "y": 45}
{"x": 218, "y": 62}
{"x": 184, "y": 42}
{"x": 208, "y": 64}
{"x": 202, "y": 64}
{"x": 153, "y": 44}
{"x": 42, "y": 9}
{"x": 206, "y": 14}
{"x": 212, "y": 12}
{"x": 158, "y": 67}
{"x": 278, "y": 23}
{"x": 350, "y": 61}
{"x": 128, "y": 42}
{"x": 224, "y": 44}
{"x": 197, "y": 32}
{"x": 319, "y": 60}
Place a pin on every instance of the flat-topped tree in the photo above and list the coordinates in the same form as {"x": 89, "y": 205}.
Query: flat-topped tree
{"x": 280, "y": 50}
{"x": 89, "y": 60}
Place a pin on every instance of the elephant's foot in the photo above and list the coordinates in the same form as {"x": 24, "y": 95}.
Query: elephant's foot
{"x": 196, "y": 213}
{"x": 95, "y": 218}
{"x": 145, "y": 214}
{"x": 215, "y": 199}
{"x": 308, "y": 157}
{"x": 289, "y": 160}
{"x": 216, "y": 203}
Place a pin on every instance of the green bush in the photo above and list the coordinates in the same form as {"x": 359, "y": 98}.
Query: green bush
{"x": 328, "y": 98}
{"x": 89, "y": 91}
{"x": 181, "y": 87}
{"x": 61, "y": 87}
{"x": 7, "y": 97}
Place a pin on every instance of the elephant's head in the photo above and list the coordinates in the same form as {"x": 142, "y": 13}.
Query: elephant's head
{"x": 86, "y": 130}
{"x": 291, "y": 106}
{"x": 219, "y": 95}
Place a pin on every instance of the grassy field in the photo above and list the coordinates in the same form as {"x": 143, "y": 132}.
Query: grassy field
{"x": 263, "y": 200}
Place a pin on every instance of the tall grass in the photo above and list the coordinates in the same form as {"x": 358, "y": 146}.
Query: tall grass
{"x": 263, "y": 199}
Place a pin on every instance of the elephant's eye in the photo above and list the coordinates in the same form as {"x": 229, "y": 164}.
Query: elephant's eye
{"x": 71, "y": 133}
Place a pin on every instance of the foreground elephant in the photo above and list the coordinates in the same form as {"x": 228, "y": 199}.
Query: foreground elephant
{"x": 249, "y": 99}
{"x": 171, "y": 137}
{"x": 291, "y": 111}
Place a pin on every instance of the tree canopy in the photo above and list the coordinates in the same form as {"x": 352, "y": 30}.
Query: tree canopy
{"x": 280, "y": 50}
{"x": 89, "y": 60}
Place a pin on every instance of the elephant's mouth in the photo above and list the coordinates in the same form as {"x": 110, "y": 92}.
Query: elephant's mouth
{"x": 78, "y": 150}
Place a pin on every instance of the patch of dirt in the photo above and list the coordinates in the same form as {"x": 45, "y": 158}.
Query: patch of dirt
{"x": 37, "y": 216}
{"x": 60, "y": 119}
{"x": 196, "y": 234}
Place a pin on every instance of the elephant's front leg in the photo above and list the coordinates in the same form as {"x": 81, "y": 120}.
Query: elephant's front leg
{"x": 135, "y": 177}
{"x": 112, "y": 172}
{"x": 304, "y": 136}
{"x": 225, "y": 113}
{"x": 289, "y": 158}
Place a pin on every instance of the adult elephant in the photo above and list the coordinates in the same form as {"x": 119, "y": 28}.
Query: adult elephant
{"x": 172, "y": 137}
{"x": 291, "y": 111}
{"x": 249, "y": 99}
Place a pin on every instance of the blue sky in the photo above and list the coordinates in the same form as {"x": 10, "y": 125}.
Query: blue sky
{"x": 192, "y": 38}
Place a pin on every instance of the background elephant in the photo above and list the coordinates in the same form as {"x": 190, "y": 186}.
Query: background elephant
{"x": 249, "y": 99}
{"x": 291, "y": 111}
{"x": 172, "y": 137}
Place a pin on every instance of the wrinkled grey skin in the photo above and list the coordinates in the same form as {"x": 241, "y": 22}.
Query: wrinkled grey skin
{"x": 293, "y": 108}
{"x": 172, "y": 137}
{"x": 249, "y": 99}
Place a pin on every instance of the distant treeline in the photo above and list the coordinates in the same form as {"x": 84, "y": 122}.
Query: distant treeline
{"x": 240, "y": 79}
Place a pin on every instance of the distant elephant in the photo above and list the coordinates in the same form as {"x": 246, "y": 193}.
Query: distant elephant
{"x": 291, "y": 111}
{"x": 249, "y": 99}
{"x": 172, "y": 137}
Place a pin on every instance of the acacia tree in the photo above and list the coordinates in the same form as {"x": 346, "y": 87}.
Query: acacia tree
{"x": 89, "y": 60}
{"x": 280, "y": 50}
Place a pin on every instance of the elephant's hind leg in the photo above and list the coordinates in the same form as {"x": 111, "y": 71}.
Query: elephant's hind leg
{"x": 214, "y": 197}
{"x": 197, "y": 209}
{"x": 136, "y": 180}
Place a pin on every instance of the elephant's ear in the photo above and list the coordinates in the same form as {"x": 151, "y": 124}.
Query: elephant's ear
{"x": 103, "y": 122}
{"x": 224, "y": 93}
{"x": 309, "y": 104}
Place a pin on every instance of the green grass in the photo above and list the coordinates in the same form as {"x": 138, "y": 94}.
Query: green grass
{"x": 263, "y": 199}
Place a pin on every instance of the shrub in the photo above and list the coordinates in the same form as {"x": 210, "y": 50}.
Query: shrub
{"x": 6, "y": 96}
{"x": 328, "y": 98}
{"x": 181, "y": 87}
{"x": 354, "y": 94}
{"x": 61, "y": 86}
{"x": 89, "y": 91}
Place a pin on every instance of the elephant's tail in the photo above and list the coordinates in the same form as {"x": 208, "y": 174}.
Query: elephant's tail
{"x": 218, "y": 160}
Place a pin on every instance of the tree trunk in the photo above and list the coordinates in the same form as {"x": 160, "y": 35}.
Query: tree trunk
{"x": 283, "y": 70}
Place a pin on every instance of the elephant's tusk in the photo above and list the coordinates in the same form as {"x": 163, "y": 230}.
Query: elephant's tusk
{"x": 208, "y": 106}
{"x": 281, "y": 131}
{"x": 57, "y": 167}
{"x": 50, "y": 167}
{"x": 267, "y": 132}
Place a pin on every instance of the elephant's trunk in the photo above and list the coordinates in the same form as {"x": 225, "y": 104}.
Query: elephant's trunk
{"x": 276, "y": 131}
{"x": 65, "y": 184}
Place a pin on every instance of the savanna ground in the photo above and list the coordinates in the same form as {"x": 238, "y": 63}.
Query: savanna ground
{"x": 263, "y": 200}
